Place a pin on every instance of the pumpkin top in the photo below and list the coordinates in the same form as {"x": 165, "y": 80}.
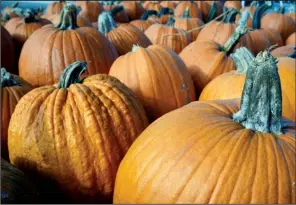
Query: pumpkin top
{"x": 171, "y": 21}
{"x": 106, "y": 22}
{"x": 242, "y": 58}
{"x": 72, "y": 74}
{"x": 231, "y": 15}
{"x": 28, "y": 15}
{"x": 258, "y": 15}
{"x": 261, "y": 102}
{"x": 186, "y": 13}
{"x": 148, "y": 13}
{"x": 293, "y": 55}
{"x": 68, "y": 18}
{"x": 165, "y": 11}
{"x": 7, "y": 79}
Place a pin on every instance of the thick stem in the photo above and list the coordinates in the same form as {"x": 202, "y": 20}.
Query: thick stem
{"x": 212, "y": 12}
{"x": 106, "y": 22}
{"x": 7, "y": 79}
{"x": 242, "y": 58}
{"x": 72, "y": 74}
{"x": 186, "y": 13}
{"x": 256, "y": 23}
{"x": 171, "y": 21}
{"x": 68, "y": 18}
{"x": 282, "y": 8}
{"x": 261, "y": 102}
{"x": 148, "y": 13}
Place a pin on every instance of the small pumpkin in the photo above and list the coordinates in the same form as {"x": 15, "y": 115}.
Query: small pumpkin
{"x": 216, "y": 152}
{"x": 157, "y": 76}
{"x": 169, "y": 36}
{"x": 55, "y": 8}
{"x": 76, "y": 133}
{"x": 133, "y": 9}
{"x": 230, "y": 85}
{"x": 90, "y": 9}
{"x": 194, "y": 11}
{"x": 291, "y": 40}
{"x": 283, "y": 51}
{"x": 12, "y": 89}
{"x": 8, "y": 58}
{"x": 124, "y": 36}
{"x": 163, "y": 16}
{"x": 50, "y": 49}
{"x": 209, "y": 9}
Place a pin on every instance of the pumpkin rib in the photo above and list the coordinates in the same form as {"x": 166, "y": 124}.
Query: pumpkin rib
{"x": 52, "y": 49}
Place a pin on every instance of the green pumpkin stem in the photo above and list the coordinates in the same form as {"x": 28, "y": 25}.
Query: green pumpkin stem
{"x": 231, "y": 15}
{"x": 106, "y": 22}
{"x": 186, "y": 13}
{"x": 256, "y": 23}
{"x": 72, "y": 73}
{"x": 7, "y": 79}
{"x": 28, "y": 15}
{"x": 171, "y": 21}
{"x": 212, "y": 12}
{"x": 261, "y": 102}
{"x": 240, "y": 30}
{"x": 148, "y": 13}
{"x": 68, "y": 18}
{"x": 242, "y": 58}
{"x": 135, "y": 48}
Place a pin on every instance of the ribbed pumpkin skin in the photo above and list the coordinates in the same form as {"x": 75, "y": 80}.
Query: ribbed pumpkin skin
{"x": 194, "y": 11}
{"x": 76, "y": 136}
{"x": 291, "y": 40}
{"x": 205, "y": 61}
{"x": 292, "y": 15}
{"x": 283, "y": 51}
{"x": 125, "y": 36}
{"x": 7, "y": 51}
{"x": 133, "y": 9}
{"x": 168, "y": 4}
{"x": 90, "y": 10}
{"x": 49, "y": 50}
{"x": 199, "y": 155}
{"x": 189, "y": 24}
{"x": 230, "y": 85}
{"x": 152, "y": 5}
{"x": 283, "y": 24}
{"x": 10, "y": 96}
{"x": 205, "y": 7}
{"x": 233, "y": 4}
{"x": 54, "y": 8}
{"x": 142, "y": 24}
{"x": 162, "y": 34}
{"x": 158, "y": 77}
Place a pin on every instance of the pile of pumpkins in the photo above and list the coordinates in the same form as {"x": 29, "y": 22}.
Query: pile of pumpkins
{"x": 148, "y": 102}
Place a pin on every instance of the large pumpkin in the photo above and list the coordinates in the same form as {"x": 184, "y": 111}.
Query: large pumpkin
{"x": 230, "y": 85}
{"x": 48, "y": 50}
{"x": 90, "y": 9}
{"x": 157, "y": 76}
{"x": 124, "y": 36}
{"x": 8, "y": 51}
{"x": 284, "y": 51}
{"x": 216, "y": 152}
{"x": 12, "y": 89}
{"x": 76, "y": 133}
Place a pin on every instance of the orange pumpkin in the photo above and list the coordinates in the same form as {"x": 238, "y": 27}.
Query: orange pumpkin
{"x": 209, "y": 9}
{"x": 48, "y": 50}
{"x": 283, "y": 51}
{"x": 142, "y": 25}
{"x": 194, "y": 11}
{"x": 216, "y": 152}
{"x": 81, "y": 21}
{"x": 8, "y": 51}
{"x": 133, "y": 9}
{"x": 233, "y": 4}
{"x": 76, "y": 133}
{"x": 152, "y": 5}
{"x": 157, "y": 76}
{"x": 90, "y": 9}
{"x": 168, "y": 4}
{"x": 55, "y": 8}
{"x": 12, "y": 89}
{"x": 230, "y": 85}
{"x": 291, "y": 40}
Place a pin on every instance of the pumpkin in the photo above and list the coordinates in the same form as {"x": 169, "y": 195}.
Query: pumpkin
{"x": 144, "y": 22}
{"x": 133, "y": 9}
{"x": 12, "y": 89}
{"x": 48, "y": 50}
{"x": 194, "y": 11}
{"x": 233, "y": 4}
{"x": 16, "y": 187}
{"x": 206, "y": 60}
{"x": 169, "y": 36}
{"x": 168, "y": 4}
{"x": 215, "y": 152}
{"x": 230, "y": 85}
{"x": 81, "y": 21}
{"x": 8, "y": 51}
{"x": 189, "y": 24}
{"x": 83, "y": 129}
{"x": 157, "y": 76}
{"x": 209, "y": 9}
{"x": 55, "y": 8}
{"x": 291, "y": 40}
{"x": 163, "y": 16}
{"x": 283, "y": 51}
{"x": 152, "y": 5}
{"x": 124, "y": 36}
{"x": 292, "y": 15}
{"x": 90, "y": 9}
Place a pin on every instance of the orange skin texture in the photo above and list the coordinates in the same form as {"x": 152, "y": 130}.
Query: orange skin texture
{"x": 283, "y": 24}
{"x": 156, "y": 75}
{"x": 233, "y": 4}
{"x": 54, "y": 8}
{"x": 189, "y": 24}
{"x": 205, "y": 61}
{"x": 283, "y": 51}
{"x": 76, "y": 136}
{"x": 7, "y": 51}
{"x": 49, "y": 50}
{"x": 168, "y": 4}
{"x": 205, "y": 7}
{"x": 90, "y": 10}
{"x": 125, "y": 36}
{"x": 81, "y": 21}
{"x": 292, "y": 15}
{"x": 133, "y": 9}
{"x": 152, "y": 5}
{"x": 142, "y": 24}
{"x": 10, "y": 96}
{"x": 194, "y": 11}
{"x": 199, "y": 155}
{"x": 291, "y": 40}
{"x": 230, "y": 85}
{"x": 162, "y": 34}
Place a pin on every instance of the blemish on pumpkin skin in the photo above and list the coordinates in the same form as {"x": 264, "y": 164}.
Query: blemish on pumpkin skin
{"x": 183, "y": 87}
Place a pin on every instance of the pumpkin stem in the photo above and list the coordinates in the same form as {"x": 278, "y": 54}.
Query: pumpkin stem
{"x": 148, "y": 13}
{"x": 72, "y": 73}
{"x": 230, "y": 17}
{"x": 171, "y": 21}
{"x": 212, "y": 13}
{"x": 5, "y": 17}
{"x": 68, "y": 18}
{"x": 135, "y": 48}
{"x": 106, "y": 22}
{"x": 116, "y": 10}
{"x": 165, "y": 11}
{"x": 242, "y": 58}
{"x": 7, "y": 79}
{"x": 256, "y": 23}
{"x": 186, "y": 13}
{"x": 293, "y": 55}
{"x": 282, "y": 8}
{"x": 261, "y": 102}
{"x": 240, "y": 30}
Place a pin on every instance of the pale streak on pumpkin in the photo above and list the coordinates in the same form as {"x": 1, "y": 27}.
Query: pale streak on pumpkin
{"x": 76, "y": 135}
{"x": 237, "y": 164}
